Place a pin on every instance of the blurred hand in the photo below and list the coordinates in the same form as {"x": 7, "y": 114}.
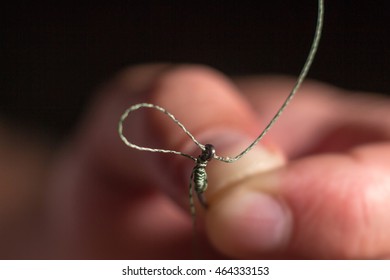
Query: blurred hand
{"x": 317, "y": 186}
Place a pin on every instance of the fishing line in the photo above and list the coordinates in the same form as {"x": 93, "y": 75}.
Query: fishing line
{"x": 198, "y": 179}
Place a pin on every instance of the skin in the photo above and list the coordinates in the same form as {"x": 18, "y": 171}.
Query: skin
{"x": 316, "y": 187}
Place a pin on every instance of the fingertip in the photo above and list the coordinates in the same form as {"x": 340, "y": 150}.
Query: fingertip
{"x": 246, "y": 218}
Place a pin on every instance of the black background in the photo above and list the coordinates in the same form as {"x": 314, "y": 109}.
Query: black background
{"x": 53, "y": 55}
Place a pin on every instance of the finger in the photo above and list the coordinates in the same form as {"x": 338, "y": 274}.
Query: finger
{"x": 321, "y": 118}
{"x": 349, "y": 218}
{"x": 304, "y": 120}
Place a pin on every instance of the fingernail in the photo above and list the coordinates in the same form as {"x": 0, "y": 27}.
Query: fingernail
{"x": 263, "y": 220}
{"x": 248, "y": 223}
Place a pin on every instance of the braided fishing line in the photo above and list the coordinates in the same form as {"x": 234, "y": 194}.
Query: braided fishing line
{"x": 198, "y": 179}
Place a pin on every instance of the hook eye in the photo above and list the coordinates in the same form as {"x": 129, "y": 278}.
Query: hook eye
{"x": 208, "y": 153}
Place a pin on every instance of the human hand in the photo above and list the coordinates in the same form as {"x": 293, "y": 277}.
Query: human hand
{"x": 316, "y": 187}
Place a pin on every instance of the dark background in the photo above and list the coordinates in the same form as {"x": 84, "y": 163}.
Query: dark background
{"x": 54, "y": 55}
